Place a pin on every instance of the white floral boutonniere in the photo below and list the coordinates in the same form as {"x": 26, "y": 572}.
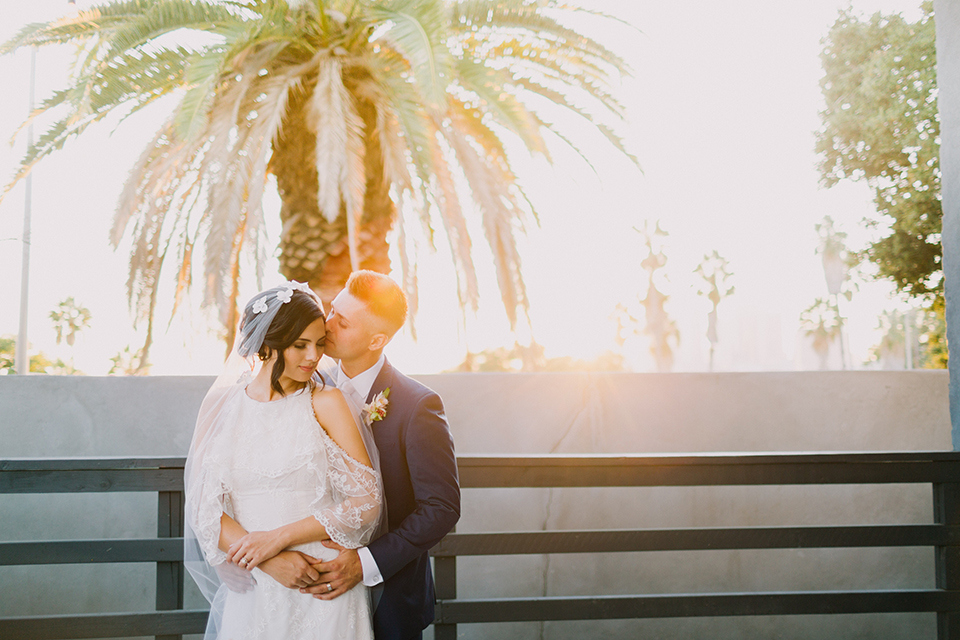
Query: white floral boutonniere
{"x": 376, "y": 409}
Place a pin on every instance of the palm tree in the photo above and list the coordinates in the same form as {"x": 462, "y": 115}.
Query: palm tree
{"x": 821, "y": 323}
{"x": 661, "y": 328}
{"x": 69, "y": 319}
{"x": 714, "y": 271}
{"x": 361, "y": 109}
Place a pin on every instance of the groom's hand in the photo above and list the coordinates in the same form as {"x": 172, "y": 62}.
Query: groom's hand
{"x": 337, "y": 576}
{"x": 292, "y": 569}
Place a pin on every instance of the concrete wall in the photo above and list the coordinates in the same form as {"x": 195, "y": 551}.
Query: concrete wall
{"x": 542, "y": 413}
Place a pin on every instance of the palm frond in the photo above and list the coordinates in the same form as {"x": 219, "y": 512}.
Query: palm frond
{"x": 530, "y": 17}
{"x": 389, "y": 133}
{"x": 160, "y": 17}
{"x": 84, "y": 25}
{"x": 353, "y": 183}
{"x": 530, "y": 58}
{"x": 242, "y": 126}
{"x": 202, "y": 76}
{"x": 416, "y": 30}
{"x": 498, "y": 210}
{"x": 403, "y": 100}
{"x": 458, "y": 236}
{"x": 51, "y": 140}
{"x": 572, "y": 8}
{"x": 329, "y": 119}
{"x": 487, "y": 84}
{"x": 184, "y": 275}
{"x": 470, "y": 120}
{"x": 560, "y": 99}
{"x": 131, "y": 196}
{"x": 408, "y": 271}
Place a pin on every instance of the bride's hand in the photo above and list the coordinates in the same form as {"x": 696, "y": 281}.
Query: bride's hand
{"x": 254, "y": 548}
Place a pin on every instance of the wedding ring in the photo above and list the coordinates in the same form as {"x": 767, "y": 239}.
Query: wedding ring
{"x": 329, "y": 587}
{"x": 243, "y": 561}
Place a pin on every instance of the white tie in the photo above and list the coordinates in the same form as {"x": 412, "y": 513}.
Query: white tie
{"x": 346, "y": 386}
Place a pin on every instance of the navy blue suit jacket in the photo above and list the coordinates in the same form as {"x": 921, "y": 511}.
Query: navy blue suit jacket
{"x": 422, "y": 490}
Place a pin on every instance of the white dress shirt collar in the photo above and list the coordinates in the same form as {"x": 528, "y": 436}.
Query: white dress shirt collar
{"x": 363, "y": 381}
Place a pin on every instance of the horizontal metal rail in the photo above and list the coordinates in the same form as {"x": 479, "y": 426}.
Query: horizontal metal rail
{"x": 92, "y": 551}
{"x": 536, "y": 542}
{"x": 707, "y": 470}
{"x": 103, "y": 625}
{"x": 527, "y": 609}
{"x": 166, "y": 474}
{"x": 86, "y": 464}
{"x": 91, "y": 480}
{"x": 610, "y": 541}
{"x": 694, "y": 605}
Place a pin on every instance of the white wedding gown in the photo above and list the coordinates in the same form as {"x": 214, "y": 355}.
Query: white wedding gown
{"x": 273, "y": 464}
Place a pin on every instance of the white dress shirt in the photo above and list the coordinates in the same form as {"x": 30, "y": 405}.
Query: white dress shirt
{"x": 358, "y": 388}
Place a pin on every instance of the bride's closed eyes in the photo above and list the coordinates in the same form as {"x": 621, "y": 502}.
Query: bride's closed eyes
{"x": 303, "y": 345}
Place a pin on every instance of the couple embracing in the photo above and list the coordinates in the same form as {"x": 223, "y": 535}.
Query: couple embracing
{"x": 313, "y": 497}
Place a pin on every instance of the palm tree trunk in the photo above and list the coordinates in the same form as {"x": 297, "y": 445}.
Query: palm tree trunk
{"x": 313, "y": 249}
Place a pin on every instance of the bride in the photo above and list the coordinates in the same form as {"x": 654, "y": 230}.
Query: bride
{"x": 278, "y": 464}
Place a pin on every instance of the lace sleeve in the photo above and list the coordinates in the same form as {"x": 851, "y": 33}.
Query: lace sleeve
{"x": 206, "y": 503}
{"x": 350, "y": 510}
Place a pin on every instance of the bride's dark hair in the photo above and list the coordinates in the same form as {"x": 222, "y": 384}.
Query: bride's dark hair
{"x": 291, "y": 321}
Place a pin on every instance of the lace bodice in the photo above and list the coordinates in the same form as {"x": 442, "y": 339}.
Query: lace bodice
{"x": 272, "y": 464}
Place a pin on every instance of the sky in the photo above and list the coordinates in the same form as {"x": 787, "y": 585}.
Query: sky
{"x": 721, "y": 108}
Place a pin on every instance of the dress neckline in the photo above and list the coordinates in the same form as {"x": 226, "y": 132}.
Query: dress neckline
{"x": 280, "y": 399}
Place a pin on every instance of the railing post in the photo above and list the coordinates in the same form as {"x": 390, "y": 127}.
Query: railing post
{"x": 946, "y": 510}
{"x": 169, "y": 574}
{"x": 445, "y": 579}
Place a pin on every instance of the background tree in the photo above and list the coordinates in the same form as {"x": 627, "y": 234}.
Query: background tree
{"x": 891, "y": 351}
{"x": 821, "y": 323}
{"x": 69, "y": 319}
{"x": 129, "y": 362}
{"x": 659, "y": 326}
{"x": 905, "y": 340}
{"x": 714, "y": 271}
{"x": 361, "y": 109}
{"x": 881, "y": 125}
{"x": 837, "y": 261}
{"x": 39, "y": 362}
{"x": 624, "y": 323}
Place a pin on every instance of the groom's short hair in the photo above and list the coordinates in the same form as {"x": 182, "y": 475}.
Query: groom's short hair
{"x": 383, "y": 297}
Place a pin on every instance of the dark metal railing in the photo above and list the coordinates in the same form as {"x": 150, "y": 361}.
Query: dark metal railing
{"x": 82, "y": 475}
{"x": 939, "y": 469}
{"x": 164, "y": 476}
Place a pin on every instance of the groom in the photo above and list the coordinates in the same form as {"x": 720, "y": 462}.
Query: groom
{"x": 417, "y": 461}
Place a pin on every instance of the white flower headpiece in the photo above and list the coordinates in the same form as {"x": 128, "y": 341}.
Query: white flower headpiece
{"x": 283, "y": 295}
{"x": 263, "y": 309}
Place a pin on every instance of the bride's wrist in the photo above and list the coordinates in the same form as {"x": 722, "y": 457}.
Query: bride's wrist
{"x": 283, "y": 537}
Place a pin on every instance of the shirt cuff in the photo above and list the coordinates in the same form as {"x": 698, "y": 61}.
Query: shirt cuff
{"x": 371, "y": 572}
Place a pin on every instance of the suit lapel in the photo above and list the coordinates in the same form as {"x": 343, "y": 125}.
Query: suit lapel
{"x": 384, "y": 380}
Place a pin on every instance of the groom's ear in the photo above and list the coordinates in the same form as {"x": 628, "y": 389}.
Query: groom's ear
{"x": 378, "y": 341}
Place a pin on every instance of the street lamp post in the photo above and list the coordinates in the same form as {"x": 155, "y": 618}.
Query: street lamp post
{"x": 21, "y": 358}
{"x": 21, "y": 361}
